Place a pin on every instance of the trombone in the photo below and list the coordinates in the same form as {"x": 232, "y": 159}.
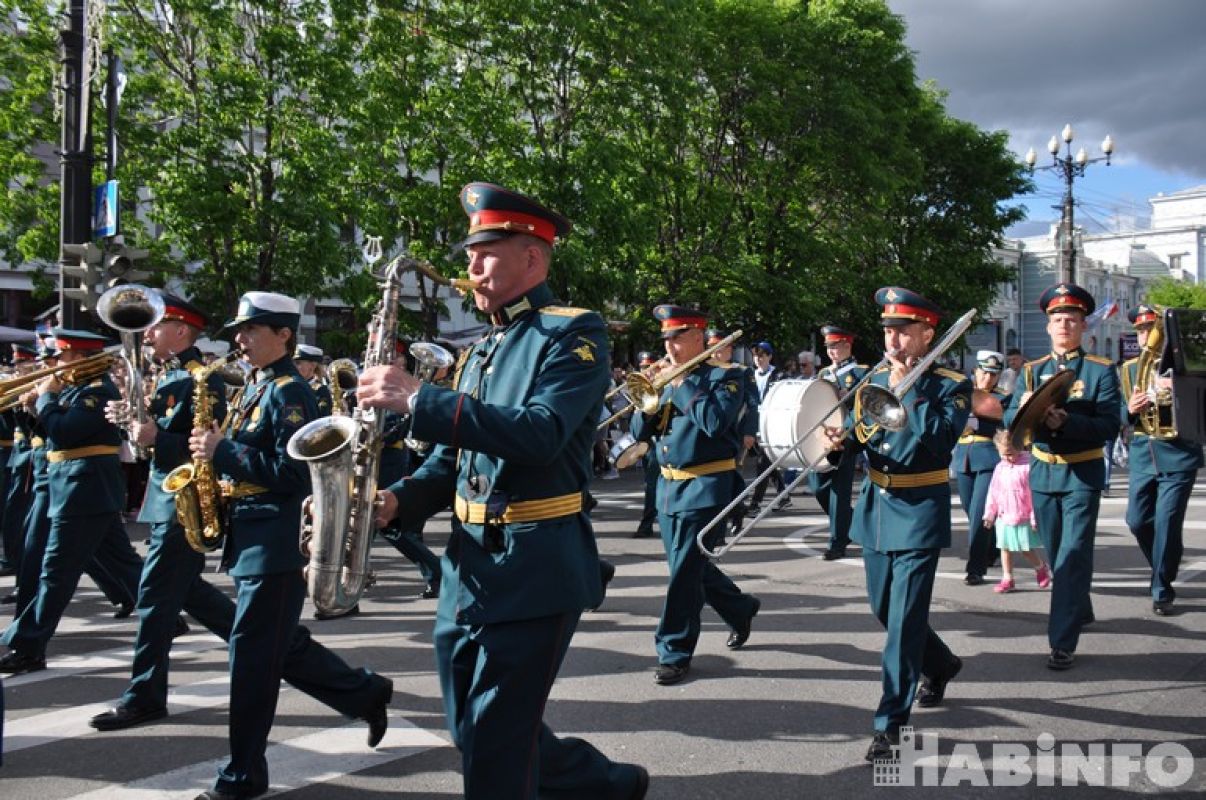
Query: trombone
{"x": 646, "y": 393}
{"x": 882, "y": 405}
{"x": 11, "y": 389}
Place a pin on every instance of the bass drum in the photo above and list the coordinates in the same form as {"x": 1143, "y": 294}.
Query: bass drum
{"x": 790, "y": 409}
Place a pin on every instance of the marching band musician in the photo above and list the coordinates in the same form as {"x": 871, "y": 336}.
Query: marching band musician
{"x": 833, "y": 488}
{"x": 1162, "y": 475}
{"x": 86, "y": 496}
{"x": 265, "y": 489}
{"x": 16, "y": 471}
{"x": 512, "y": 446}
{"x": 903, "y": 516}
{"x": 975, "y": 458}
{"x": 1067, "y": 473}
{"x": 749, "y": 415}
{"x": 308, "y": 360}
{"x": 696, "y": 433}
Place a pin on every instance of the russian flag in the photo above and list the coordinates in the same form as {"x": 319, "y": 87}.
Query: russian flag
{"x": 1104, "y": 311}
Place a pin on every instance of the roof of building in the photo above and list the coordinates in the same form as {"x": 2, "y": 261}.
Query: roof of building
{"x": 1144, "y": 263}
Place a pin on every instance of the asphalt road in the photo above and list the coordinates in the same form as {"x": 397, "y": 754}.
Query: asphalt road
{"x": 789, "y": 716}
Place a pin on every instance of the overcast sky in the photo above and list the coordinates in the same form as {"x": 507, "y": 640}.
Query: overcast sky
{"x": 1135, "y": 69}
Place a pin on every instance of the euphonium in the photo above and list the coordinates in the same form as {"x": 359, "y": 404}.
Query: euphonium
{"x": 1156, "y": 418}
{"x": 198, "y": 497}
{"x": 344, "y": 455}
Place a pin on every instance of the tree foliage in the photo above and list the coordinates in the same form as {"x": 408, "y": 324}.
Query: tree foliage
{"x": 773, "y": 161}
{"x": 1170, "y": 293}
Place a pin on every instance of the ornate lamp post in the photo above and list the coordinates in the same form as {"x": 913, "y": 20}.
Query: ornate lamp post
{"x": 1071, "y": 167}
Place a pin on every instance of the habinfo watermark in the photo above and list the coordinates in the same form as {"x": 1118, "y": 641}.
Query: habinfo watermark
{"x": 1046, "y": 762}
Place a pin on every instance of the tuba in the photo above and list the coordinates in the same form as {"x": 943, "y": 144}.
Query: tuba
{"x": 198, "y": 496}
{"x": 344, "y": 455}
{"x": 131, "y": 309}
{"x": 1155, "y": 419}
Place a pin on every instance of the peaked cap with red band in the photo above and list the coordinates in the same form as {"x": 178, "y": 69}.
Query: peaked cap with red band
{"x": 903, "y": 307}
{"x": 23, "y": 353}
{"x": 496, "y": 213}
{"x": 677, "y": 318}
{"x": 645, "y": 358}
{"x": 1142, "y": 314}
{"x": 181, "y": 310}
{"x": 1067, "y": 297}
{"x": 65, "y": 340}
{"x": 833, "y": 334}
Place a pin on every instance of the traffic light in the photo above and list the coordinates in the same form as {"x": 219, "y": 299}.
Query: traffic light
{"x": 81, "y": 264}
{"x": 120, "y": 263}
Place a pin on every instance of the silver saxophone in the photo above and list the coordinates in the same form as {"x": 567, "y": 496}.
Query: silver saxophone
{"x": 344, "y": 455}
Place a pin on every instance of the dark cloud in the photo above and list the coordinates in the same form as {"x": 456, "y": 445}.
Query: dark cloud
{"x": 1135, "y": 70}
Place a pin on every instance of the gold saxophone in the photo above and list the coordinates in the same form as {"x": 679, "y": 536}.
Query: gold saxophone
{"x": 198, "y": 496}
{"x": 1156, "y": 418}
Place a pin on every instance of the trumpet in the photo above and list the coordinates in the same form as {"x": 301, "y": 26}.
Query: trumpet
{"x": 85, "y": 369}
{"x": 882, "y": 406}
{"x": 646, "y": 393}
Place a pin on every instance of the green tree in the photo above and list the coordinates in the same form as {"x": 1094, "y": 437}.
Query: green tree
{"x": 1169, "y": 293}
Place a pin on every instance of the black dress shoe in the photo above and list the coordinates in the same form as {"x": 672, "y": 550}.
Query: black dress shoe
{"x": 644, "y": 533}
{"x": 934, "y": 689}
{"x": 739, "y": 635}
{"x": 881, "y": 745}
{"x": 378, "y": 718}
{"x": 1162, "y": 608}
{"x": 642, "y": 784}
{"x": 430, "y": 592}
{"x": 974, "y": 580}
{"x": 322, "y": 615}
{"x": 218, "y": 794}
{"x": 1060, "y": 659}
{"x": 124, "y": 716}
{"x": 834, "y": 554}
{"x": 667, "y": 674}
{"x": 123, "y": 611}
{"x": 19, "y": 663}
{"x": 8, "y": 599}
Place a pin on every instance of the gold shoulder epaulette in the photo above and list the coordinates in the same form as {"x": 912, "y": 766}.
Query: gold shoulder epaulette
{"x": 1129, "y": 361}
{"x": 192, "y": 365}
{"x": 283, "y": 380}
{"x": 1100, "y": 360}
{"x": 884, "y": 368}
{"x": 1038, "y": 361}
{"x": 563, "y": 311}
{"x": 950, "y": 374}
{"x": 96, "y": 383}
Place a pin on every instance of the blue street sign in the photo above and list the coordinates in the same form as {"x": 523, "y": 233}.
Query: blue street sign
{"x": 104, "y": 214}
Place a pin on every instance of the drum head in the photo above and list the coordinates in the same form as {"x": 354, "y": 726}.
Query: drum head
{"x": 788, "y": 422}
{"x": 632, "y": 455}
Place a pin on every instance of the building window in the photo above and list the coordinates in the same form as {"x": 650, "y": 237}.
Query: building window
{"x": 1174, "y": 262}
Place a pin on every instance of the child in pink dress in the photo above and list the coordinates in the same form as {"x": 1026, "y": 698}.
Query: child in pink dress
{"x": 1009, "y": 506}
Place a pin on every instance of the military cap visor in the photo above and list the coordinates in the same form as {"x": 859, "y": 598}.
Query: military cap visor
{"x": 306, "y": 352}
{"x": 86, "y": 341}
{"x": 834, "y": 335}
{"x": 903, "y": 307}
{"x": 990, "y": 361}
{"x": 267, "y": 308}
{"x": 1067, "y": 297}
{"x": 676, "y": 319}
{"x": 178, "y": 309}
{"x": 1142, "y": 314}
{"x": 23, "y": 353}
{"x": 497, "y": 213}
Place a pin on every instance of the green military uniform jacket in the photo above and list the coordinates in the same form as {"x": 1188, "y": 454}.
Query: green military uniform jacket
{"x": 172, "y": 409}
{"x": 513, "y": 441}
{"x": 82, "y": 447}
{"x": 266, "y": 523}
{"x": 1072, "y": 458}
{"x": 1148, "y": 455}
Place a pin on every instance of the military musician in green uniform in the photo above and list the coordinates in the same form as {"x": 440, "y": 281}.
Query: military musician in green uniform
{"x": 903, "y": 516}
{"x": 512, "y": 451}
{"x": 1163, "y": 467}
{"x": 1067, "y": 474}
{"x": 975, "y": 458}
{"x": 834, "y": 487}
{"x": 308, "y": 360}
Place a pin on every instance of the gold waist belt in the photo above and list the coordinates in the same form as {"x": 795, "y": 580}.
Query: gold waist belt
{"x": 699, "y": 470}
{"x": 521, "y": 510}
{"x": 398, "y": 445}
{"x": 57, "y": 456}
{"x": 969, "y": 438}
{"x": 236, "y": 489}
{"x": 1067, "y": 458}
{"x": 6, "y": 442}
{"x": 910, "y": 480}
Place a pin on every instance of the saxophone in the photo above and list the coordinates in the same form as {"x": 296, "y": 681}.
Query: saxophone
{"x": 344, "y": 455}
{"x": 198, "y": 497}
{"x": 1156, "y": 419}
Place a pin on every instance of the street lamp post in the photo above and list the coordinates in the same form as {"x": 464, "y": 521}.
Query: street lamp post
{"x": 1071, "y": 167}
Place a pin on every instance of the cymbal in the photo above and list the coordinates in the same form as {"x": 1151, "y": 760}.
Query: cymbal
{"x": 1052, "y": 392}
